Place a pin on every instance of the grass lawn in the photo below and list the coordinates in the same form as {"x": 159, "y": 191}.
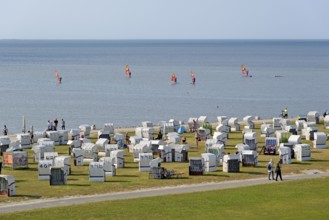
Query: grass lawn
{"x": 303, "y": 199}
{"x": 129, "y": 178}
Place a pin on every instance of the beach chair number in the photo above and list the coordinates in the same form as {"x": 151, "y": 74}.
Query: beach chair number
{"x": 43, "y": 165}
{"x": 99, "y": 166}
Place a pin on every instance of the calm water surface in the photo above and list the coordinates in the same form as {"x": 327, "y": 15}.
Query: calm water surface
{"x": 96, "y": 91}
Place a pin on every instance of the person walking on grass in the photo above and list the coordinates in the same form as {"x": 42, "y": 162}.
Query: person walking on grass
{"x": 278, "y": 172}
{"x": 31, "y": 136}
{"x": 127, "y": 139}
{"x": 270, "y": 170}
{"x": 197, "y": 138}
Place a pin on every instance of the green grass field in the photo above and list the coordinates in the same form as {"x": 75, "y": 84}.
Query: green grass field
{"x": 303, "y": 199}
{"x": 129, "y": 178}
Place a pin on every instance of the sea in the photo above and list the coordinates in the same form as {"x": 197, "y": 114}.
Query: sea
{"x": 95, "y": 89}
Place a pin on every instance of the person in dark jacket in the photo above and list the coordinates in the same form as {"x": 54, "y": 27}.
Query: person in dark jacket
{"x": 56, "y": 123}
{"x": 159, "y": 135}
{"x": 5, "y": 130}
{"x": 278, "y": 172}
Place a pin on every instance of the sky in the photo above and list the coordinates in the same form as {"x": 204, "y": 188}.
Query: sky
{"x": 167, "y": 19}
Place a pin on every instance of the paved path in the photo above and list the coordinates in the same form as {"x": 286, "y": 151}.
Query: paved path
{"x": 46, "y": 203}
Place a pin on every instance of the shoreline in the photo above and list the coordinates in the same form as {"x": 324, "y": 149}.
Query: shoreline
{"x": 13, "y": 137}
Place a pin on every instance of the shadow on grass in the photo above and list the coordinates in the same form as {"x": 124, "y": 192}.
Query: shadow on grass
{"x": 230, "y": 147}
{"x": 235, "y": 138}
{"x": 77, "y": 185}
{"x": 63, "y": 153}
{"x": 72, "y": 179}
{"x": 303, "y": 163}
{"x": 176, "y": 178}
{"x": 127, "y": 176}
{"x": 317, "y": 161}
{"x": 219, "y": 175}
{"x": 20, "y": 181}
{"x": 117, "y": 181}
{"x": 28, "y": 196}
{"x": 78, "y": 174}
{"x": 128, "y": 167}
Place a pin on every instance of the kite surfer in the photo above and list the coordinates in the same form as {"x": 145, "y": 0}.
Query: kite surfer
{"x": 173, "y": 78}
{"x": 59, "y": 79}
{"x": 245, "y": 71}
{"x": 193, "y": 78}
{"x": 128, "y": 72}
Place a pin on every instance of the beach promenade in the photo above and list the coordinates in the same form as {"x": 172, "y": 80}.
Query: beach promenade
{"x": 75, "y": 200}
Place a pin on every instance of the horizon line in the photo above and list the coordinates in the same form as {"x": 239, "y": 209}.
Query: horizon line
{"x": 162, "y": 39}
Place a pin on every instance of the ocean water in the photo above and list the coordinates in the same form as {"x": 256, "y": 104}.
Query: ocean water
{"x": 95, "y": 89}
